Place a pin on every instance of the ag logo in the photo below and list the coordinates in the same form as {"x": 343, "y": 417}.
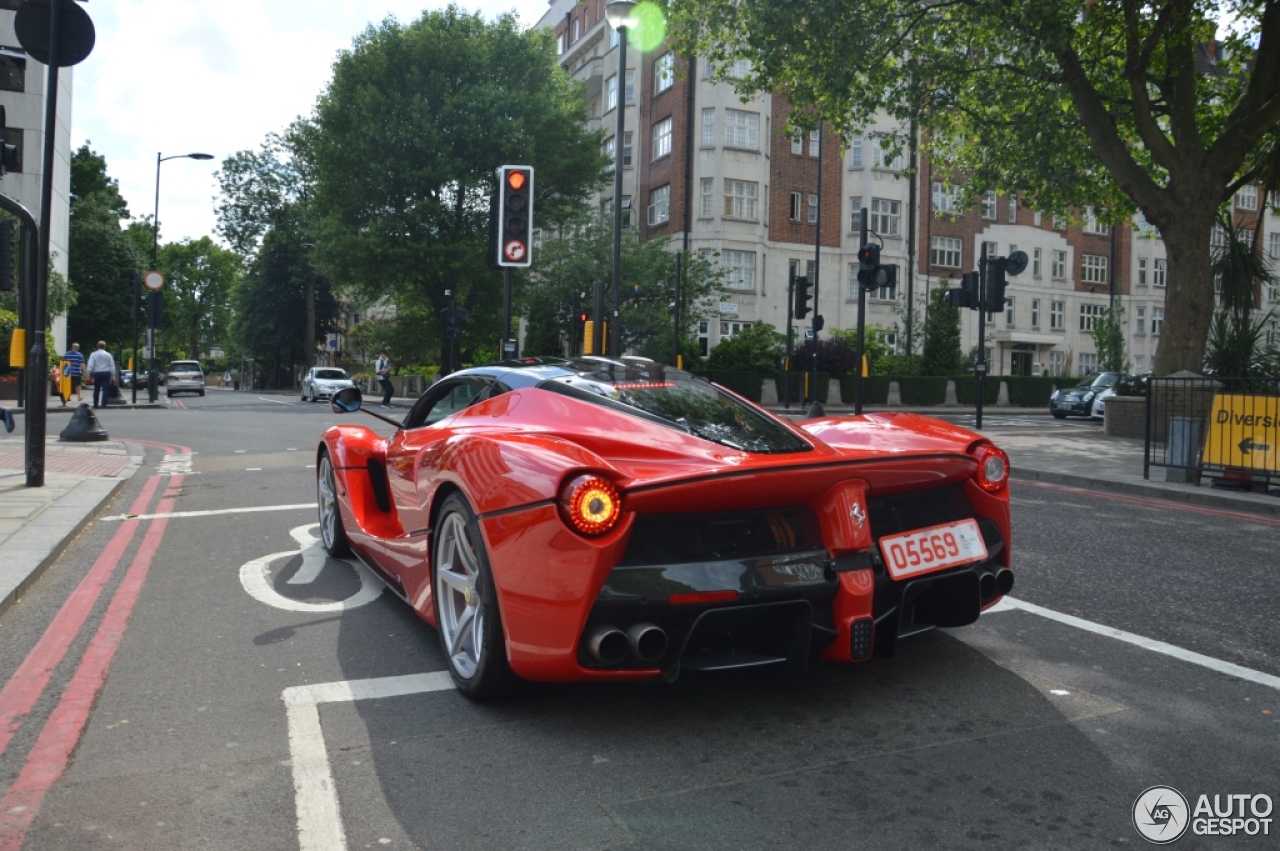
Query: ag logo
{"x": 1161, "y": 815}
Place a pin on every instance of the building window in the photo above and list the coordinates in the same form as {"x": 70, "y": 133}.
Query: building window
{"x": 730, "y": 329}
{"x": 1138, "y": 361}
{"x": 944, "y": 199}
{"x": 704, "y": 337}
{"x": 1088, "y": 364}
{"x": 1142, "y": 271}
{"x": 1247, "y": 198}
{"x": 740, "y": 199}
{"x": 708, "y": 188}
{"x": 1273, "y": 332}
{"x": 660, "y": 205}
{"x": 1093, "y": 269}
{"x": 1038, "y": 219}
{"x": 1009, "y": 313}
{"x": 740, "y": 269}
{"x": 815, "y": 142}
{"x": 1035, "y": 262}
{"x": 13, "y": 136}
{"x": 1057, "y": 363}
{"x": 611, "y": 93}
{"x": 1273, "y": 246}
{"x": 796, "y": 201}
{"x": 1157, "y": 319}
{"x": 576, "y": 25}
{"x": 993, "y": 249}
{"x": 885, "y": 215}
{"x": 560, "y": 41}
{"x": 797, "y": 143}
{"x": 1273, "y": 200}
{"x": 708, "y": 127}
{"x": 1089, "y": 313}
{"x": 813, "y": 209}
{"x": 988, "y": 205}
{"x": 1158, "y": 271}
{"x": 609, "y": 145}
{"x": 1059, "y": 222}
{"x": 1057, "y": 316}
{"x": 1035, "y": 314}
{"x": 13, "y": 70}
{"x": 855, "y": 216}
{"x": 889, "y": 292}
{"x": 1140, "y": 320}
{"x": 742, "y": 129}
{"x": 1059, "y": 264}
{"x": 855, "y": 152}
{"x": 883, "y": 157}
{"x": 1218, "y": 237}
{"x": 664, "y": 71}
{"x": 662, "y": 138}
{"x": 1013, "y": 209}
{"x": 944, "y": 251}
{"x": 626, "y": 211}
{"x": 1092, "y": 225}
{"x": 738, "y": 69}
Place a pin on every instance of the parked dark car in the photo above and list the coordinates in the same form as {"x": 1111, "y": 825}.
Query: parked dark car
{"x": 1078, "y": 401}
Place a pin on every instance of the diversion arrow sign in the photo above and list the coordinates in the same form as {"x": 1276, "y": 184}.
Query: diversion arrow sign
{"x": 1247, "y": 445}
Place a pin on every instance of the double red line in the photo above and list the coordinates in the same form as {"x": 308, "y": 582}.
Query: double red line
{"x": 49, "y": 757}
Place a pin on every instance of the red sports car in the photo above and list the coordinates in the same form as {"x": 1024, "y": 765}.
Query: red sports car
{"x": 604, "y": 519}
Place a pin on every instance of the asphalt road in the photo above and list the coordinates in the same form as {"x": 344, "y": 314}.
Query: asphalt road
{"x": 191, "y": 706}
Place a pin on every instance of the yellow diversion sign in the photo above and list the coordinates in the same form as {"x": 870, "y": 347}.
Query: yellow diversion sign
{"x": 1244, "y": 431}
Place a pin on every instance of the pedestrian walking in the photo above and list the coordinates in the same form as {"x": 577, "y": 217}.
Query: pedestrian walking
{"x": 383, "y": 369}
{"x": 102, "y": 367}
{"x": 75, "y": 369}
{"x": 8, "y": 418}
{"x": 226, "y": 378}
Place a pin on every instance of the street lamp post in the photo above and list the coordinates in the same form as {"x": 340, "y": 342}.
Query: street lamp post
{"x": 137, "y": 286}
{"x": 618, "y": 14}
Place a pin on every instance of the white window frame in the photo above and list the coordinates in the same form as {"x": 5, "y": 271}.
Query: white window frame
{"x": 1059, "y": 268}
{"x": 944, "y": 249}
{"x": 813, "y": 209}
{"x": 1057, "y": 316}
{"x": 709, "y": 127}
{"x": 659, "y": 205}
{"x": 1035, "y": 314}
{"x": 855, "y": 152}
{"x": 662, "y": 138}
{"x": 740, "y": 269}
{"x": 742, "y": 129}
{"x": 1140, "y": 321}
{"x": 815, "y": 142}
{"x": 1093, "y": 268}
{"x": 880, "y": 157}
{"x": 989, "y": 205}
{"x": 855, "y": 216}
{"x": 945, "y": 199}
{"x": 1092, "y": 225}
{"x": 885, "y": 216}
{"x": 664, "y": 72}
{"x": 611, "y": 93}
{"x": 1247, "y": 197}
{"x": 1035, "y": 262}
{"x": 741, "y": 199}
{"x": 1157, "y": 321}
{"x": 1142, "y": 271}
{"x": 797, "y": 199}
{"x": 708, "y": 192}
{"x": 1089, "y": 314}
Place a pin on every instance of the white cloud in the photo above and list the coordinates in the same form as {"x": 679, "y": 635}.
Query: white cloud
{"x": 184, "y": 76}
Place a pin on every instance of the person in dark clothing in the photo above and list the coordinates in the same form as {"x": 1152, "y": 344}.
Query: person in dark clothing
{"x": 383, "y": 369}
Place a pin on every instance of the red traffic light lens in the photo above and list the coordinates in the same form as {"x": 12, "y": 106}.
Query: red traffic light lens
{"x": 516, "y": 179}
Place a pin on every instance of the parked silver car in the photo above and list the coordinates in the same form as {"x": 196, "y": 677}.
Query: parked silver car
{"x": 321, "y": 382}
{"x": 184, "y": 376}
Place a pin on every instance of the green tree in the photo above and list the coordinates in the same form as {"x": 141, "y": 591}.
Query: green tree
{"x": 199, "y": 278}
{"x": 1124, "y": 105}
{"x": 942, "y": 353}
{"x": 400, "y": 153}
{"x": 562, "y": 282}
{"x": 103, "y": 264}
{"x": 1237, "y": 339}
{"x": 759, "y": 348}
{"x": 1108, "y": 339}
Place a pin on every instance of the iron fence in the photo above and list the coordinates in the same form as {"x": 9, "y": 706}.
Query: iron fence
{"x": 1226, "y": 428}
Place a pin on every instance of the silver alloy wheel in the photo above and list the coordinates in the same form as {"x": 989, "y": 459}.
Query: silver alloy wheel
{"x": 327, "y": 499}
{"x": 458, "y": 596}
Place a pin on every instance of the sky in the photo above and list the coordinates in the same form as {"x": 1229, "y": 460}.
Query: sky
{"x": 214, "y": 76}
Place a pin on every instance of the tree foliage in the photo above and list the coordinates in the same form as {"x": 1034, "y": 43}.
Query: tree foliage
{"x": 942, "y": 352}
{"x": 759, "y": 348}
{"x": 199, "y": 278}
{"x": 1108, "y": 339}
{"x": 1121, "y": 104}
{"x": 399, "y": 157}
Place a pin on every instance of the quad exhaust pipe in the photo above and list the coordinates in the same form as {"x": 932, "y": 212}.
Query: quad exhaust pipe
{"x": 610, "y": 646}
{"x": 997, "y": 584}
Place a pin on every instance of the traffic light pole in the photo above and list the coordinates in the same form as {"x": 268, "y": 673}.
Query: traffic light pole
{"x": 862, "y": 323}
{"x": 980, "y": 368}
{"x": 506, "y": 313}
{"x": 817, "y": 262}
{"x": 791, "y": 301}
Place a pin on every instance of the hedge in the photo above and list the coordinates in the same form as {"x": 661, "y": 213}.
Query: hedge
{"x": 967, "y": 389}
{"x": 923, "y": 390}
{"x": 875, "y": 389}
{"x": 1029, "y": 391}
{"x": 745, "y": 383}
{"x": 797, "y": 386}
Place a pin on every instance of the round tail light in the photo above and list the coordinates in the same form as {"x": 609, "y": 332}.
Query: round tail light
{"x": 993, "y": 467}
{"x": 591, "y": 504}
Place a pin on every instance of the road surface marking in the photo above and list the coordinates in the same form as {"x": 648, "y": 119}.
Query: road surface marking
{"x": 298, "y": 506}
{"x": 1154, "y": 502}
{"x": 51, "y": 753}
{"x": 1228, "y": 668}
{"x": 256, "y": 579}
{"x": 275, "y": 401}
{"x": 319, "y": 820}
{"x": 175, "y": 465}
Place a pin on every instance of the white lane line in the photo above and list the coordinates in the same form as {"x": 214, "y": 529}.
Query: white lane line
{"x": 319, "y": 821}
{"x": 1231, "y": 670}
{"x": 253, "y": 469}
{"x": 274, "y": 401}
{"x": 212, "y": 512}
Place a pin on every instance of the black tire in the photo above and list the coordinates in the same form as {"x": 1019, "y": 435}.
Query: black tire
{"x": 201, "y": 392}
{"x": 1059, "y": 415}
{"x": 469, "y": 622}
{"x": 303, "y": 396}
{"x": 333, "y": 536}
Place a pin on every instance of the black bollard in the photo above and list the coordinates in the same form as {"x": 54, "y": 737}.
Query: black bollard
{"x": 83, "y": 427}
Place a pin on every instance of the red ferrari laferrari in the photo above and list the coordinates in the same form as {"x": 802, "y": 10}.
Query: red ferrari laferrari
{"x": 600, "y": 519}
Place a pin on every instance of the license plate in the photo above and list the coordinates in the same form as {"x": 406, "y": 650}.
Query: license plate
{"x": 935, "y": 548}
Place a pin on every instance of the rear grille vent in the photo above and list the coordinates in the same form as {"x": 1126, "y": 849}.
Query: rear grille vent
{"x": 685, "y": 538}
{"x": 904, "y": 513}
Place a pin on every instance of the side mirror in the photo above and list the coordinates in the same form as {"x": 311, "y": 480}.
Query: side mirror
{"x": 346, "y": 401}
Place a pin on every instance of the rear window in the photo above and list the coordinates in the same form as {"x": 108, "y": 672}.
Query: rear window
{"x": 331, "y": 374}
{"x": 184, "y": 366}
{"x": 678, "y": 400}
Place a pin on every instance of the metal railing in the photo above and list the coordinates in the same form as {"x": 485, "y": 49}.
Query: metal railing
{"x": 1228, "y": 428}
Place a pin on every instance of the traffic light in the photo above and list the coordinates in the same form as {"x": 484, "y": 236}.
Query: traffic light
{"x": 868, "y": 260}
{"x": 804, "y": 294}
{"x": 8, "y": 153}
{"x": 515, "y": 215}
{"x": 6, "y": 256}
{"x": 157, "y": 309}
{"x": 995, "y": 285}
{"x": 965, "y": 295}
{"x": 454, "y": 318}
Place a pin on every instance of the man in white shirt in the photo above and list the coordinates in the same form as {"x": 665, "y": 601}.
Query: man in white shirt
{"x": 103, "y": 369}
{"x": 383, "y": 369}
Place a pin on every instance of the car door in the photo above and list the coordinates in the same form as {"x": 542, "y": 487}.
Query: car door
{"x": 412, "y": 451}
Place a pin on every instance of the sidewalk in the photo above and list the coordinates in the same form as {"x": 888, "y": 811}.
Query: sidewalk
{"x": 36, "y": 523}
